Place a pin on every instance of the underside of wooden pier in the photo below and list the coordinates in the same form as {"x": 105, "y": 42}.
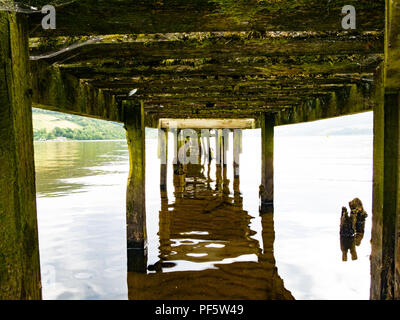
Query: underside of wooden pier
{"x": 207, "y": 59}
{"x": 274, "y": 62}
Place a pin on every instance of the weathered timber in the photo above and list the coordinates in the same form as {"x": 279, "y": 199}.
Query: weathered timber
{"x": 378, "y": 189}
{"x": 163, "y": 155}
{"x": 390, "y": 212}
{"x": 19, "y": 245}
{"x": 240, "y": 90}
{"x": 119, "y": 85}
{"x": 135, "y": 195}
{"x": 385, "y": 257}
{"x": 237, "y": 150}
{"x": 217, "y": 46}
{"x": 267, "y": 122}
{"x": 262, "y": 68}
{"x": 208, "y": 123}
{"x": 392, "y": 50}
{"x": 126, "y": 17}
{"x": 348, "y": 100}
{"x": 56, "y": 91}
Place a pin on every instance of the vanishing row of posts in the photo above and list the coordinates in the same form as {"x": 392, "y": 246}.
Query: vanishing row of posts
{"x": 135, "y": 197}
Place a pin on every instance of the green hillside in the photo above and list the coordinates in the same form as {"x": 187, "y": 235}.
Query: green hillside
{"x": 49, "y": 125}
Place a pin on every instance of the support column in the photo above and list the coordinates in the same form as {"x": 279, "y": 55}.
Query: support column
{"x": 385, "y": 256}
{"x": 237, "y": 150}
{"x": 19, "y": 245}
{"x": 163, "y": 155}
{"x": 135, "y": 195}
{"x": 267, "y": 160}
{"x": 225, "y": 146}
{"x": 175, "y": 160}
{"x": 218, "y": 155}
{"x": 208, "y": 147}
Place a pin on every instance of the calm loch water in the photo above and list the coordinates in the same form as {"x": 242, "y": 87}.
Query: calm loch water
{"x": 207, "y": 240}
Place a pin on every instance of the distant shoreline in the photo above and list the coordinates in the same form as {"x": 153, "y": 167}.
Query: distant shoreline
{"x": 71, "y": 140}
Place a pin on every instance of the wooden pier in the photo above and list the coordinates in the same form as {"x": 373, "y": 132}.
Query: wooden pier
{"x": 147, "y": 63}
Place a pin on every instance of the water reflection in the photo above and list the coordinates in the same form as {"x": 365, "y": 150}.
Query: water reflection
{"x": 62, "y": 167}
{"x": 83, "y": 231}
{"x": 205, "y": 229}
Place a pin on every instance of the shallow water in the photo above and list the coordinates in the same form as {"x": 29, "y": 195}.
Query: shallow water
{"x": 208, "y": 241}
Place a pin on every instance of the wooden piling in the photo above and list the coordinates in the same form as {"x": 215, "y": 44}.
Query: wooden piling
{"x": 135, "y": 195}
{"x": 19, "y": 246}
{"x": 385, "y": 255}
{"x": 163, "y": 142}
{"x": 237, "y": 150}
{"x": 267, "y": 159}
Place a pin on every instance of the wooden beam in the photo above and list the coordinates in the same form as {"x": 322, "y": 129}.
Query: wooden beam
{"x": 87, "y": 17}
{"x": 214, "y": 45}
{"x": 366, "y": 64}
{"x": 65, "y": 93}
{"x": 349, "y": 100}
{"x": 150, "y": 84}
{"x": 207, "y": 123}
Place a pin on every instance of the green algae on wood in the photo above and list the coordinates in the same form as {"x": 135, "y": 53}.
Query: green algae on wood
{"x": 19, "y": 246}
{"x": 93, "y": 17}
{"x": 135, "y": 194}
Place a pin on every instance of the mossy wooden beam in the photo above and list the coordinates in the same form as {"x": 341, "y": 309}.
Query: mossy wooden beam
{"x": 215, "y": 96}
{"x": 56, "y": 91}
{"x": 150, "y": 84}
{"x": 215, "y": 46}
{"x": 133, "y": 116}
{"x": 212, "y": 104}
{"x": 19, "y": 246}
{"x": 124, "y": 16}
{"x": 349, "y": 100}
{"x": 238, "y": 70}
{"x": 234, "y": 92}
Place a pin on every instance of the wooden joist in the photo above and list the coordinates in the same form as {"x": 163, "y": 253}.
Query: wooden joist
{"x": 94, "y": 17}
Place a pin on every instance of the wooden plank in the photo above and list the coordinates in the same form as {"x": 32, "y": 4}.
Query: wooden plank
{"x": 207, "y": 123}
{"x": 214, "y": 45}
{"x": 86, "y": 17}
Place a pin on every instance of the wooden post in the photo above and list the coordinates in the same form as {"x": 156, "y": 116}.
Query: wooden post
{"x": 19, "y": 245}
{"x": 175, "y": 160}
{"x": 225, "y": 146}
{"x": 386, "y": 192}
{"x": 199, "y": 147}
{"x": 218, "y": 156}
{"x": 267, "y": 160}
{"x": 135, "y": 195}
{"x": 163, "y": 142}
{"x": 237, "y": 150}
{"x": 385, "y": 256}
